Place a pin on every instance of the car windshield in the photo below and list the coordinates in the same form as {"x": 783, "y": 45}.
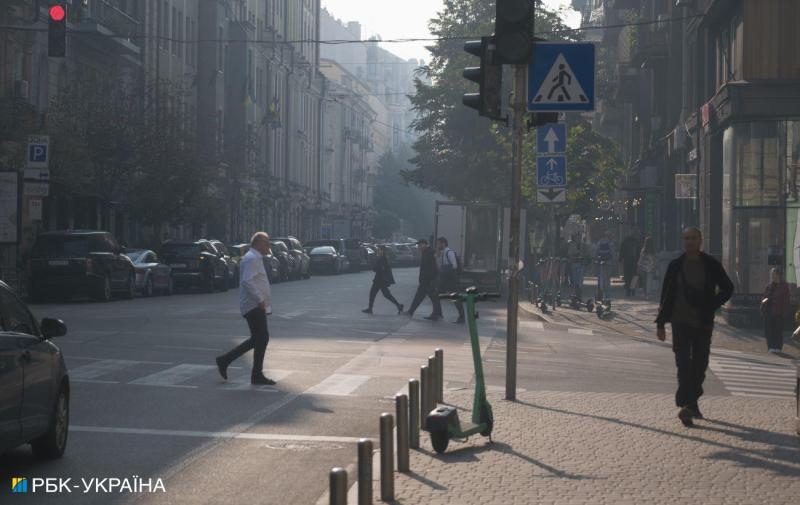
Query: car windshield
{"x": 323, "y": 250}
{"x": 135, "y": 256}
{"x": 280, "y": 247}
{"x": 320, "y": 243}
{"x": 62, "y": 245}
{"x": 180, "y": 250}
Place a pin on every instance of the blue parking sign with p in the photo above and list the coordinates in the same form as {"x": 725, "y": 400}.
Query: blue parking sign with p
{"x": 37, "y": 153}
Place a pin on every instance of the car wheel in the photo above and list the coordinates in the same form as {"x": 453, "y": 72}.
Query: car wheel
{"x": 104, "y": 290}
{"x": 52, "y": 444}
{"x": 130, "y": 291}
{"x": 148, "y": 287}
{"x": 223, "y": 285}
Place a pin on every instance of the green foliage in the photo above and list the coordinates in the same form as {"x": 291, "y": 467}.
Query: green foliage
{"x": 466, "y": 157}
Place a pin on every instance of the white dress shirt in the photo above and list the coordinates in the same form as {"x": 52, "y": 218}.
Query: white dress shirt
{"x": 254, "y": 285}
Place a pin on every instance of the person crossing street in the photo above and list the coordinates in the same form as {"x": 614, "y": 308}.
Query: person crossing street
{"x": 427, "y": 283}
{"x": 255, "y": 298}
{"x": 383, "y": 279}
{"x": 695, "y": 286}
{"x": 448, "y": 274}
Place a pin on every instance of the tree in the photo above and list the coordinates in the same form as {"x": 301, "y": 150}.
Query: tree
{"x": 468, "y": 158}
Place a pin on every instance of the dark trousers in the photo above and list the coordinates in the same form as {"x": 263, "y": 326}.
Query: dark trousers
{"x": 773, "y": 330}
{"x": 628, "y": 272}
{"x": 373, "y": 292}
{"x": 259, "y": 337}
{"x": 691, "y": 347}
{"x": 429, "y": 290}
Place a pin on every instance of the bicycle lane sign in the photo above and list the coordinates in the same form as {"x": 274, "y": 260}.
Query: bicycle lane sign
{"x": 551, "y": 171}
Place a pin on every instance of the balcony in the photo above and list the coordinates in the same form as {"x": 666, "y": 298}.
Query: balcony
{"x": 116, "y": 28}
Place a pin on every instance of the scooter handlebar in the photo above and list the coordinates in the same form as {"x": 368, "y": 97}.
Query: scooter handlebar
{"x": 479, "y": 297}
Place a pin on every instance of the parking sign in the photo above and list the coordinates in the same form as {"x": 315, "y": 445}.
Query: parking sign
{"x": 38, "y": 151}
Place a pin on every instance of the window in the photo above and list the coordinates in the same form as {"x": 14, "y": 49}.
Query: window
{"x": 15, "y": 316}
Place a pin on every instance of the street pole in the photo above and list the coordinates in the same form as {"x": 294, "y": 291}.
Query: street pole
{"x": 519, "y": 107}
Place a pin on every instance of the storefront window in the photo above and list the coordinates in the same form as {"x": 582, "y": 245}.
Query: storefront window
{"x": 760, "y": 180}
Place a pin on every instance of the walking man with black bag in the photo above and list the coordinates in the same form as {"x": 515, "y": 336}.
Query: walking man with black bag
{"x": 695, "y": 286}
{"x": 427, "y": 282}
{"x": 254, "y": 303}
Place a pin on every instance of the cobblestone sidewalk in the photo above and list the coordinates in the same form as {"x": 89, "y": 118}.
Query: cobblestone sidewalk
{"x": 635, "y": 316}
{"x": 604, "y": 448}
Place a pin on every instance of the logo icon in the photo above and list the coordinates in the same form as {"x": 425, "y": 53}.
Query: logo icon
{"x": 19, "y": 485}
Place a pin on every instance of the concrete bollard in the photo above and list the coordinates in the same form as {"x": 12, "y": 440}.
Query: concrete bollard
{"x": 401, "y": 414}
{"x": 413, "y": 414}
{"x": 387, "y": 457}
{"x": 365, "y": 471}
{"x": 423, "y": 395}
{"x": 440, "y": 371}
{"x": 338, "y": 491}
{"x": 432, "y": 376}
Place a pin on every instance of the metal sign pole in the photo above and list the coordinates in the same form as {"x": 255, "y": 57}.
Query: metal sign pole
{"x": 519, "y": 109}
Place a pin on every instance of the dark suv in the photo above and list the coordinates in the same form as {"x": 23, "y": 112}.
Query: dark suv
{"x": 73, "y": 262}
{"x": 195, "y": 264}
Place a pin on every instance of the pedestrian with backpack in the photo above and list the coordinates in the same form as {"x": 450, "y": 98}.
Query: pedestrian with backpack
{"x": 449, "y": 266}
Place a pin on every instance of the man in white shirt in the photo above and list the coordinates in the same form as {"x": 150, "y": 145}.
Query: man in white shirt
{"x": 448, "y": 274}
{"x": 254, "y": 303}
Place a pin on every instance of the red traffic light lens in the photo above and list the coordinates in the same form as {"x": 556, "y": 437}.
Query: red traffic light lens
{"x": 57, "y": 13}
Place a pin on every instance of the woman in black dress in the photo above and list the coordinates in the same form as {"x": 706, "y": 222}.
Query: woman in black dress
{"x": 383, "y": 279}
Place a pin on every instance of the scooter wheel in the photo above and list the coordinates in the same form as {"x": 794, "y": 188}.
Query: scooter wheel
{"x": 439, "y": 440}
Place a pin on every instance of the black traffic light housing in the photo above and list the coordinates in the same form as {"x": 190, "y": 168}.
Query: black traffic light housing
{"x": 57, "y": 30}
{"x": 489, "y": 77}
{"x": 513, "y": 32}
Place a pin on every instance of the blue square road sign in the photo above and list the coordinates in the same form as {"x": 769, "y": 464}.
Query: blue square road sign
{"x": 561, "y": 77}
{"x": 551, "y": 171}
{"x": 551, "y": 138}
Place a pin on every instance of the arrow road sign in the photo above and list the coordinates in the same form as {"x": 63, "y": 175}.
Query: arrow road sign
{"x": 561, "y": 77}
{"x": 551, "y": 138}
{"x": 551, "y": 195}
{"x": 551, "y": 171}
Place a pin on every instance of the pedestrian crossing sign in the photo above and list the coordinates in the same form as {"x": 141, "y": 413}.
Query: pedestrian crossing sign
{"x": 561, "y": 77}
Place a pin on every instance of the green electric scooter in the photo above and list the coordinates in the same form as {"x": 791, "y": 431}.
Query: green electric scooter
{"x": 442, "y": 422}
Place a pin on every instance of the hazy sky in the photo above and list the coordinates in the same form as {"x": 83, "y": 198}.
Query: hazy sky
{"x": 395, "y": 19}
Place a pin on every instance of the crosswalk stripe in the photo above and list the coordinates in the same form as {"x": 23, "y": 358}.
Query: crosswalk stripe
{"x": 742, "y": 376}
{"x": 743, "y": 362}
{"x": 580, "y": 331}
{"x": 338, "y": 384}
{"x": 173, "y": 377}
{"x": 102, "y": 367}
{"x": 776, "y": 392}
{"x": 532, "y": 325}
{"x": 243, "y": 382}
{"x": 751, "y": 370}
{"x": 762, "y": 395}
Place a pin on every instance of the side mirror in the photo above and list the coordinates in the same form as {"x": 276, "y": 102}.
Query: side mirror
{"x": 52, "y": 328}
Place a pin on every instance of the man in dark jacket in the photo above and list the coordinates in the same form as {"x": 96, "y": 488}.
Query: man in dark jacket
{"x": 427, "y": 282}
{"x": 695, "y": 286}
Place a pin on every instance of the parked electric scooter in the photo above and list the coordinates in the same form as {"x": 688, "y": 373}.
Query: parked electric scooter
{"x": 442, "y": 422}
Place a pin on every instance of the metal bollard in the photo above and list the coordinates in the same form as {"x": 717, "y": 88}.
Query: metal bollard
{"x": 401, "y": 413}
{"x": 423, "y": 395}
{"x": 440, "y": 379}
{"x": 365, "y": 471}
{"x": 387, "y": 457}
{"x": 432, "y": 376}
{"x": 413, "y": 415}
{"x": 338, "y": 491}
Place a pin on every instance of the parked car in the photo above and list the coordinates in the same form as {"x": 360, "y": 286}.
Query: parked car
{"x": 195, "y": 264}
{"x": 371, "y": 254}
{"x": 404, "y": 255}
{"x": 336, "y": 243}
{"x": 287, "y": 261}
{"x": 231, "y": 262}
{"x": 73, "y": 262}
{"x": 34, "y": 386}
{"x": 302, "y": 260}
{"x": 326, "y": 259}
{"x": 151, "y": 275}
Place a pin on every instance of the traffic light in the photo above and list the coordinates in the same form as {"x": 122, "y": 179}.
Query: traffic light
{"x": 489, "y": 77}
{"x": 57, "y": 30}
{"x": 513, "y": 32}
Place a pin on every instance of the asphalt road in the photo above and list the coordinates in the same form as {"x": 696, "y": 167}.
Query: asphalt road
{"x": 147, "y": 402}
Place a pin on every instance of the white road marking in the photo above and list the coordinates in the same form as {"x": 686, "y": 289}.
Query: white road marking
{"x": 532, "y": 325}
{"x": 173, "y": 377}
{"x": 742, "y": 377}
{"x": 93, "y": 381}
{"x": 188, "y": 348}
{"x": 138, "y": 361}
{"x": 290, "y": 315}
{"x": 338, "y": 385}
{"x": 362, "y": 342}
{"x": 580, "y": 331}
{"x": 214, "y": 434}
{"x": 98, "y": 368}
